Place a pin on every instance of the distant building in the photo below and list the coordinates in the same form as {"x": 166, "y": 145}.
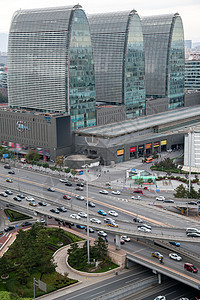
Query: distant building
{"x": 50, "y": 63}
{"x": 164, "y": 58}
{"x": 188, "y": 44}
{"x": 192, "y": 72}
{"x": 107, "y": 114}
{"x": 118, "y": 51}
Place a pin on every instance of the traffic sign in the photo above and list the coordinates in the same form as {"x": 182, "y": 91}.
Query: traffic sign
{"x": 199, "y": 207}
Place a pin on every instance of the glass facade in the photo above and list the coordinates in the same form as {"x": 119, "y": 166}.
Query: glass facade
{"x": 164, "y": 58}
{"x": 192, "y": 74}
{"x": 117, "y": 42}
{"x": 45, "y": 46}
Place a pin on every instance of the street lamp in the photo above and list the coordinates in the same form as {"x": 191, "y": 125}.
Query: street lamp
{"x": 88, "y": 233}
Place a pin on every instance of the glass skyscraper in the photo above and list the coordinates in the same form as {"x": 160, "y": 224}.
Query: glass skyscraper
{"x": 164, "y": 58}
{"x": 117, "y": 42}
{"x": 50, "y": 63}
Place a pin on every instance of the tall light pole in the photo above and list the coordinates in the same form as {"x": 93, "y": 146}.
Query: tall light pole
{"x": 88, "y": 232}
{"x": 190, "y": 156}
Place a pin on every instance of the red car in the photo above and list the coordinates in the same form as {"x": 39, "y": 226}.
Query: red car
{"x": 139, "y": 191}
{"x": 66, "y": 197}
{"x": 190, "y": 268}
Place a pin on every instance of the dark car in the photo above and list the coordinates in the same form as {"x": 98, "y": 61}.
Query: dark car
{"x": 191, "y": 203}
{"x": 9, "y": 192}
{"x": 175, "y": 244}
{"x": 26, "y": 223}
{"x": 168, "y": 201}
{"x": 51, "y": 189}
{"x": 7, "y": 167}
{"x": 70, "y": 224}
{"x": 68, "y": 183}
{"x": 17, "y": 199}
{"x": 138, "y": 220}
{"x": 11, "y": 172}
{"x": 91, "y": 230}
{"x": 54, "y": 210}
{"x": 1, "y": 232}
{"x": 62, "y": 209}
{"x": 42, "y": 203}
{"x": 9, "y": 228}
{"x": 21, "y": 196}
{"x": 80, "y": 226}
{"x": 91, "y": 204}
{"x": 80, "y": 184}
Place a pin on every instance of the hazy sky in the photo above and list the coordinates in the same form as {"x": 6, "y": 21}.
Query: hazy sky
{"x": 189, "y": 10}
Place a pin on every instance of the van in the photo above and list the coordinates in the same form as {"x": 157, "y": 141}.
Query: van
{"x": 150, "y": 159}
{"x": 192, "y": 230}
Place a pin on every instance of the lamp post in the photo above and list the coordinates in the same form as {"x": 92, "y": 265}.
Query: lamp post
{"x": 88, "y": 232}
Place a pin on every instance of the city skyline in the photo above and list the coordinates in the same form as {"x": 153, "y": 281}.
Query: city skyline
{"x": 188, "y": 10}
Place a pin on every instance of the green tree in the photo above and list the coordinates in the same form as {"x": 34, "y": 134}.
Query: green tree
{"x": 22, "y": 274}
{"x": 32, "y": 156}
{"x": 60, "y": 161}
{"x": 180, "y": 192}
{"x": 67, "y": 170}
{"x": 4, "y": 265}
{"x": 192, "y": 194}
{"x": 73, "y": 172}
{"x": 100, "y": 248}
{"x": 139, "y": 181}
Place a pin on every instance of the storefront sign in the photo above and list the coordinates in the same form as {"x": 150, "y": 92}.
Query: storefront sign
{"x": 133, "y": 149}
{"x": 163, "y": 142}
{"x": 120, "y": 152}
{"x": 148, "y": 146}
{"x": 156, "y": 144}
{"x": 141, "y": 147}
{"x": 21, "y": 127}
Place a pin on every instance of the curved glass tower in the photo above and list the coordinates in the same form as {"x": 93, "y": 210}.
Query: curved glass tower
{"x": 50, "y": 63}
{"x": 117, "y": 42}
{"x": 164, "y": 58}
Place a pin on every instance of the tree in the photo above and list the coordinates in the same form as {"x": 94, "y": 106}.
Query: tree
{"x": 4, "y": 265}
{"x": 73, "y": 172}
{"x": 192, "y": 194}
{"x": 181, "y": 192}
{"x": 32, "y": 156}
{"x": 139, "y": 181}
{"x": 60, "y": 160}
{"x": 22, "y": 274}
{"x": 100, "y": 248}
{"x": 67, "y": 170}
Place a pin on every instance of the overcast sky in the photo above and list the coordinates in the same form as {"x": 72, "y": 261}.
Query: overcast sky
{"x": 189, "y": 10}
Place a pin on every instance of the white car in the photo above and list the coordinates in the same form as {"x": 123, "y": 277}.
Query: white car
{"x": 113, "y": 213}
{"x": 144, "y": 229}
{"x": 102, "y": 233}
{"x": 82, "y": 214}
{"x": 29, "y": 198}
{"x": 75, "y": 216}
{"x": 116, "y": 192}
{"x": 63, "y": 180}
{"x": 103, "y": 192}
{"x": 94, "y": 220}
{"x": 175, "y": 256}
{"x": 160, "y": 198}
{"x": 136, "y": 197}
{"x": 160, "y": 298}
{"x": 125, "y": 238}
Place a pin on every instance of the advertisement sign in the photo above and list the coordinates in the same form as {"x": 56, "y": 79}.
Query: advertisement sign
{"x": 21, "y": 127}
{"x": 148, "y": 146}
{"x": 5, "y": 155}
{"x": 133, "y": 149}
{"x": 156, "y": 144}
{"x": 141, "y": 147}
{"x": 163, "y": 142}
{"x": 120, "y": 152}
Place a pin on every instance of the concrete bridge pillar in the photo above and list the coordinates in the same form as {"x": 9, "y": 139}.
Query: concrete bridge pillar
{"x": 117, "y": 242}
{"x": 159, "y": 278}
{"x": 46, "y": 220}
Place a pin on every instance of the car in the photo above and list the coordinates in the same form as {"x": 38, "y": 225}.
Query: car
{"x": 17, "y": 199}
{"x": 91, "y": 230}
{"x": 175, "y": 256}
{"x": 4, "y": 194}
{"x": 9, "y": 180}
{"x": 138, "y": 220}
{"x": 62, "y": 209}
{"x": 94, "y": 220}
{"x": 138, "y": 191}
{"x": 183, "y": 298}
{"x": 102, "y": 233}
{"x": 136, "y": 197}
{"x": 157, "y": 254}
{"x": 125, "y": 238}
{"x": 7, "y": 167}
{"x": 175, "y": 244}
{"x": 90, "y": 203}
{"x": 116, "y": 192}
{"x": 145, "y": 225}
{"x": 63, "y": 180}
{"x": 169, "y": 150}
{"x": 1, "y": 232}
{"x": 80, "y": 184}
{"x": 190, "y": 268}
{"x": 191, "y": 203}
{"x": 21, "y": 196}
{"x": 9, "y": 192}
{"x": 9, "y": 228}
{"x": 80, "y": 226}
{"x": 70, "y": 224}
{"x": 78, "y": 197}
{"x": 42, "y": 203}
{"x": 55, "y": 210}
{"x": 160, "y": 198}
{"x": 66, "y": 197}
{"x": 109, "y": 220}
{"x": 193, "y": 234}
{"x": 68, "y": 183}
{"x": 51, "y": 189}
{"x": 168, "y": 201}
{"x": 82, "y": 214}
{"x": 144, "y": 229}
{"x": 103, "y": 192}
{"x": 160, "y": 298}
{"x": 26, "y": 223}
{"x": 102, "y": 212}
{"x": 122, "y": 242}
{"x": 33, "y": 203}
{"x": 29, "y": 198}
{"x": 11, "y": 172}
{"x": 112, "y": 224}
{"x": 75, "y": 216}
{"x": 113, "y": 213}
{"x": 79, "y": 188}
{"x": 145, "y": 187}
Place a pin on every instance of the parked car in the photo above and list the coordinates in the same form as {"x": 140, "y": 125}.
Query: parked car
{"x": 26, "y": 223}
{"x": 9, "y": 228}
{"x": 66, "y": 197}
{"x": 138, "y": 220}
{"x": 102, "y": 212}
{"x": 11, "y": 172}
{"x": 160, "y": 198}
{"x": 103, "y": 192}
{"x": 175, "y": 256}
{"x": 55, "y": 210}
{"x": 17, "y": 199}
{"x": 62, "y": 209}
{"x": 21, "y": 196}
{"x": 51, "y": 189}
{"x": 113, "y": 213}
{"x": 116, "y": 192}
{"x": 9, "y": 192}
{"x": 80, "y": 198}
{"x": 190, "y": 268}
{"x": 102, "y": 233}
{"x": 80, "y": 226}
{"x": 95, "y": 220}
{"x": 42, "y": 203}
{"x": 91, "y": 204}
{"x": 175, "y": 244}
{"x": 157, "y": 254}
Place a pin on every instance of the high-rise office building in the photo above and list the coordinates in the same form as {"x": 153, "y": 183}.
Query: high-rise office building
{"x": 50, "y": 63}
{"x": 192, "y": 72}
{"x": 117, "y": 42}
{"x": 164, "y": 58}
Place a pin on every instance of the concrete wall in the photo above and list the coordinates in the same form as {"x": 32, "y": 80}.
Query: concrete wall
{"x": 110, "y": 114}
{"x": 192, "y": 98}
{"x": 155, "y": 106}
